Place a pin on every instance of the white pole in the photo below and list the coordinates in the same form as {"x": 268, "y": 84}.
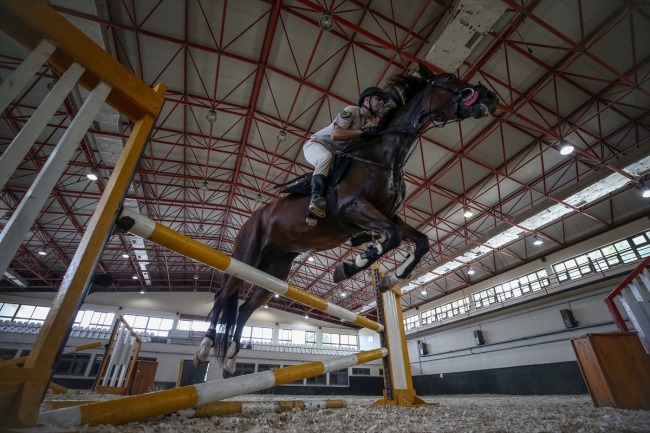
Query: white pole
{"x": 127, "y": 357}
{"x": 30, "y": 207}
{"x": 119, "y": 357}
{"x": 116, "y": 343}
{"x": 23, "y": 73}
{"x": 13, "y": 156}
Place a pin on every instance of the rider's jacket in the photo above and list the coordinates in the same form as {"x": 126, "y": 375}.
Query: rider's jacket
{"x": 349, "y": 118}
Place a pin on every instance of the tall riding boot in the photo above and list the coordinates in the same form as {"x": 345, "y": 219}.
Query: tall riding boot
{"x": 318, "y": 204}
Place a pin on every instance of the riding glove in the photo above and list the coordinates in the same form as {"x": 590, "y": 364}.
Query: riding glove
{"x": 370, "y": 132}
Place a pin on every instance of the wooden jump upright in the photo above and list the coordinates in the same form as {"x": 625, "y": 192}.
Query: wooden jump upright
{"x": 34, "y": 24}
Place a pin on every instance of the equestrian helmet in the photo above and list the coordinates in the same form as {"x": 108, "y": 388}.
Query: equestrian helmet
{"x": 370, "y": 91}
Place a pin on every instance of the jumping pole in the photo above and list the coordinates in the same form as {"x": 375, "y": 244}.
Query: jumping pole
{"x": 146, "y": 228}
{"x": 145, "y": 406}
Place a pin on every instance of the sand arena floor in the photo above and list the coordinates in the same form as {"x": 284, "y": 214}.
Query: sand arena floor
{"x": 456, "y": 413}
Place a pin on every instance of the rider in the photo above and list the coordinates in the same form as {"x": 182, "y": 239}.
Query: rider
{"x": 351, "y": 123}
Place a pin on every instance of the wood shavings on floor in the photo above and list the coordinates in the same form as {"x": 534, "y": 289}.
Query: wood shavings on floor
{"x": 457, "y": 413}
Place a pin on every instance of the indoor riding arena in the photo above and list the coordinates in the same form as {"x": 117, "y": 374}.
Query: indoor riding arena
{"x": 324, "y": 216}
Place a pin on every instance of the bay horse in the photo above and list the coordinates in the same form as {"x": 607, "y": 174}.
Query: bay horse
{"x": 365, "y": 199}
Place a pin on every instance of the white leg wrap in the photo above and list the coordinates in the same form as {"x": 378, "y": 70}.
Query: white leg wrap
{"x": 360, "y": 262}
{"x": 230, "y": 364}
{"x": 399, "y": 273}
{"x": 204, "y": 351}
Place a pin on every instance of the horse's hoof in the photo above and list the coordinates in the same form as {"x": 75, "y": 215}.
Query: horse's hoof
{"x": 388, "y": 282}
{"x": 311, "y": 221}
{"x": 339, "y": 273}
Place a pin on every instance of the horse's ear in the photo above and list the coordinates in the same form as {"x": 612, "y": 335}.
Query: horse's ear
{"x": 424, "y": 71}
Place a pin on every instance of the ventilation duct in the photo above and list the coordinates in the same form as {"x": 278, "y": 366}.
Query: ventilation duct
{"x": 464, "y": 29}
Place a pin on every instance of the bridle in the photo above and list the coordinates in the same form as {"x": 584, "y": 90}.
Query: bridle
{"x": 468, "y": 96}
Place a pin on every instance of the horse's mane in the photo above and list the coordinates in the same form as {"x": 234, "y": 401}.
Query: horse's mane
{"x": 403, "y": 87}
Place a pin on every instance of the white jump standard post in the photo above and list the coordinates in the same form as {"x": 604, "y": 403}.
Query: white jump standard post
{"x": 398, "y": 382}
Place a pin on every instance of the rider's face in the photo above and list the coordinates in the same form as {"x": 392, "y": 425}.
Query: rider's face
{"x": 376, "y": 103}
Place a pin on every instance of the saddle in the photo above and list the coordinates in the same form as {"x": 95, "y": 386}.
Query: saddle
{"x": 302, "y": 184}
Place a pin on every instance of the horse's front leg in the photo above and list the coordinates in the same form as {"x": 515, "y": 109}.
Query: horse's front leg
{"x": 421, "y": 242}
{"x": 364, "y": 214}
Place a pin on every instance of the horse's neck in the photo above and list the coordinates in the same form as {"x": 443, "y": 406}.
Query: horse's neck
{"x": 391, "y": 148}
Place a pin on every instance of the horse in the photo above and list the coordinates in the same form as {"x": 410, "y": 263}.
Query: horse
{"x": 366, "y": 199}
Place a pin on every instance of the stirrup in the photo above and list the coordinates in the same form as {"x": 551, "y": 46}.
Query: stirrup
{"x": 317, "y": 206}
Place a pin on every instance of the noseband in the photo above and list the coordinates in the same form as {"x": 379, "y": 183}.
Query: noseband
{"x": 467, "y": 96}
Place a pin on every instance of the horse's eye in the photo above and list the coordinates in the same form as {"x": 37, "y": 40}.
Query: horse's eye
{"x": 450, "y": 77}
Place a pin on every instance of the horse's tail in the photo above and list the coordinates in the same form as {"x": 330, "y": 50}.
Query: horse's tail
{"x": 226, "y": 325}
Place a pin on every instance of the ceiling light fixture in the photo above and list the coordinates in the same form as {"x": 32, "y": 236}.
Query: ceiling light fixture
{"x": 311, "y": 258}
{"x": 467, "y": 212}
{"x": 424, "y": 292}
{"x": 8, "y": 214}
{"x": 142, "y": 292}
{"x": 326, "y": 22}
{"x": 343, "y": 294}
{"x": 196, "y": 276}
{"x": 125, "y": 255}
{"x": 565, "y": 148}
{"x": 42, "y": 252}
{"x": 282, "y": 135}
{"x": 204, "y": 186}
{"x": 135, "y": 276}
{"x": 646, "y": 192}
{"x": 259, "y": 197}
{"x": 200, "y": 229}
{"x": 537, "y": 240}
{"x": 93, "y": 174}
{"x": 277, "y": 296}
{"x": 470, "y": 271}
{"x": 266, "y": 306}
{"x": 306, "y": 316}
{"x": 212, "y": 115}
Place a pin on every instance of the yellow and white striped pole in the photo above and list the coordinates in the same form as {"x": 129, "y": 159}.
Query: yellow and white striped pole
{"x": 219, "y": 408}
{"x": 145, "y": 406}
{"x": 148, "y": 229}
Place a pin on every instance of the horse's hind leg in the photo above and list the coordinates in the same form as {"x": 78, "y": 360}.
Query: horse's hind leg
{"x": 279, "y": 266}
{"x": 364, "y": 214}
{"x": 224, "y": 312}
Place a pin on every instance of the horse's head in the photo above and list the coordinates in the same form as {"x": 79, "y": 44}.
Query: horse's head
{"x": 450, "y": 98}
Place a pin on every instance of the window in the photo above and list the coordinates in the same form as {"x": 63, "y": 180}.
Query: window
{"x": 73, "y": 364}
{"x": 512, "y": 289}
{"x": 97, "y": 363}
{"x": 285, "y": 336}
{"x": 156, "y": 325}
{"x": 267, "y": 367}
{"x": 94, "y": 319}
{"x": 294, "y": 336}
{"x": 361, "y": 371}
{"x": 8, "y": 353}
{"x": 411, "y": 322}
{"x": 23, "y": 313}
{"x": 318, "y": 380}
{"x": 618, "y": 253}
{"x": 243, "y": 368}
{"x": 451, "y": 309}
{"x": 259, "y": 334}
{"x": 339, "y": 377}
{"x": 339, "y": 340}
{"x": 193, "y": 325}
